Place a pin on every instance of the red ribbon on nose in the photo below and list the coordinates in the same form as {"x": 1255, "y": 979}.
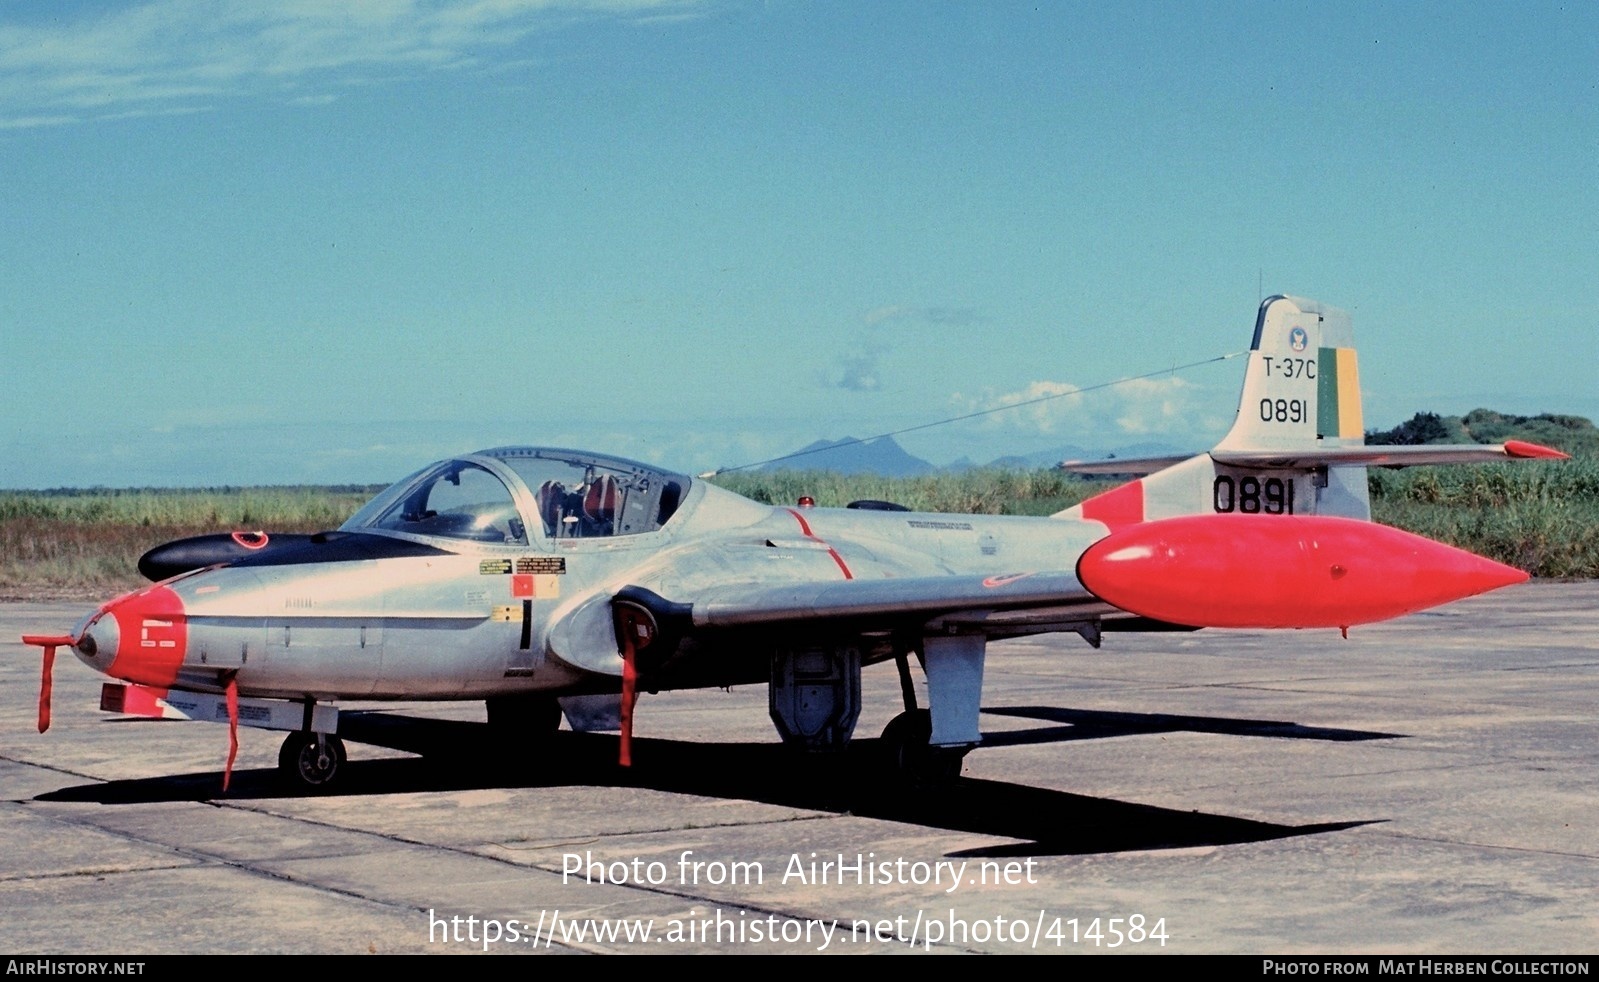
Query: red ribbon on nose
{"x": 46, "y": 682}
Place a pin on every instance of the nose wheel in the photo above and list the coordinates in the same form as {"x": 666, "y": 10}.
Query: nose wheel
{"x": 311, "y": 761}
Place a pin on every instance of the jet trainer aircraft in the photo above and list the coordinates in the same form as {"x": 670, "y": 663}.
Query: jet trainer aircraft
{"x": 524, "y": 576}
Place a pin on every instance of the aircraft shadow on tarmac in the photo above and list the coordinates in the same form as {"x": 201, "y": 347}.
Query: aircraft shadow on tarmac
{"x": 456, "y": 755}
{"x": 1086, "y": 724}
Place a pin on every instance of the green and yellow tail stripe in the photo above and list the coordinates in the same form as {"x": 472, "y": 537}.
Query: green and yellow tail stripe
{"x": 1338, "y": 394}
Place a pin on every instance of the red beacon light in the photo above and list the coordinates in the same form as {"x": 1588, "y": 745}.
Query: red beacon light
{"x": 806, "y": 501}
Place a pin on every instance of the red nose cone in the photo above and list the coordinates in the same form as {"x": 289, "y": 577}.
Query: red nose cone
{"x": 1281, "y": 571}
{"x": 152, "y": 636}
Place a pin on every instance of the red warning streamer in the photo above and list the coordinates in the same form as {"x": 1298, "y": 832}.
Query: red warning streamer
{"x": 629, "y": 693}
{"x": 233, "y": 731}
{"x": 46, "y": 681}
{"x": 635, "y": 630}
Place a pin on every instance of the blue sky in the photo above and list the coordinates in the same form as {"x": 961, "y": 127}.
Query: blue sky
{"x": 304, "y": 242}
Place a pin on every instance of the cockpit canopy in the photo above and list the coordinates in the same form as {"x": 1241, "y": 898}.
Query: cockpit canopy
{"x": 508, "y": 494}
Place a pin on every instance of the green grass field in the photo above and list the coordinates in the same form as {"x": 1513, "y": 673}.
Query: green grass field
{"x": 1541, "y": 517}
{"x": 84, "y": 544}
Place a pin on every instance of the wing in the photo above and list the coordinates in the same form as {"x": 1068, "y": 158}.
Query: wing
{"x": 802, "y": 638}
{"x": 993, "y": 606}
{"x": 897, "y": 601}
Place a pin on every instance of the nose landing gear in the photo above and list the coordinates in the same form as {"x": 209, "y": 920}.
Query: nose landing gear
{"x": 311, "y": 761}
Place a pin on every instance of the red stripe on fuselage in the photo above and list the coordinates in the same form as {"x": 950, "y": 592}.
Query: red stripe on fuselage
{"x": 153, "y": 636}
{"x": 1117, "y": 507}
{"x": 805, "y": 527}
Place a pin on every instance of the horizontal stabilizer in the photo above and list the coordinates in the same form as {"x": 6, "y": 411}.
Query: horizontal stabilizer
{"x": 1367, "y": 456}
{"x": 1122, "y": 465}
{"x": 1390, "y": 456}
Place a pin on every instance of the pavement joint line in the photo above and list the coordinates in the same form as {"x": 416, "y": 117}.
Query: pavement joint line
{"x": 103, "y": 871}
{"x": 473, "y": 852}
{"x": 820, "y": 816}
{"x": 48, "y": 767}
{"x": 1491, "y": 846}
{"x": 1383, "y": 772}
{"x": 1548, "y": 667}
{"x": 1370, "y": 699}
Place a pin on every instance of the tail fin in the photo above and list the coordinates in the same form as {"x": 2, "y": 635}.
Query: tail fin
{"x": 1300, "y": 400}
{"x": 1302, "y": 386}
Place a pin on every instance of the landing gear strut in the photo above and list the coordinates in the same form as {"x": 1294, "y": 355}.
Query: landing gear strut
{"x": 313, "y": 761}
{"x": 906, "y": 742}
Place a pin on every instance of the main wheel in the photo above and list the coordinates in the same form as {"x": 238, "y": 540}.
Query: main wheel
{"x": 911, "y": 759}
{"x": 311, "y": 760}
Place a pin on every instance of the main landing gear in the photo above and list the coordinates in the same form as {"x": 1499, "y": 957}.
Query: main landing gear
{"x": 311, "y": 761}
{"x": 815, "y": 699}
{"x": 906, "y": 744}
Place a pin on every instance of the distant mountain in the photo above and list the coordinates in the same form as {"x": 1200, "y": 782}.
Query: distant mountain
{"x": 851, "y": 456}
{"x": 1038, "y": 459}
{"x": 1054, "y": 455}
{"x": 1020, "y": 462}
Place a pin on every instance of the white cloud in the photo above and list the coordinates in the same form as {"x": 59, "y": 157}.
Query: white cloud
{"x": 1155, "y": 406}
{"x": 1167, "y": 408}
{"x": 1040, "y": 407}
{"x": 163, "y": 55}
{"x": 30, "y": 122}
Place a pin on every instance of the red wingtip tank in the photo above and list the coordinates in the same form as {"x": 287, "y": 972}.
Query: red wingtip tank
{"x": 1281, "y": 572}
{"x": 1521, "y": 449}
